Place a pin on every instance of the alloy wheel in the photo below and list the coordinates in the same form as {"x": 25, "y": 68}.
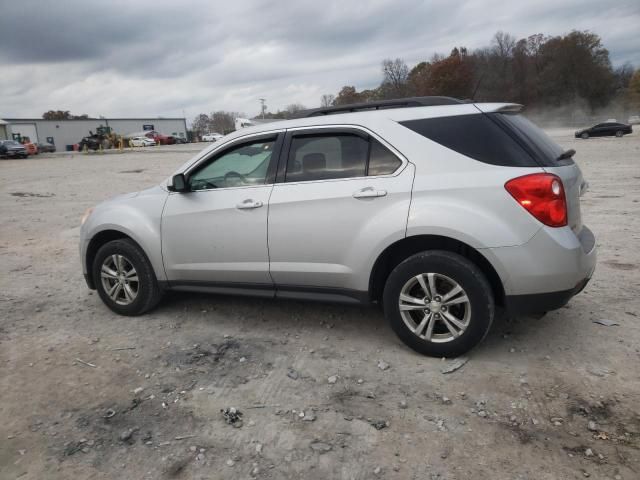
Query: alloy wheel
{"x": 119, "y": 279}
{"x": 435, "y": 307}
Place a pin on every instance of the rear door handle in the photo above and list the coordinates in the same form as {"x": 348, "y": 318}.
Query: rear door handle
{"x": 248, "y": 204}
{"x": 369, "y": 192}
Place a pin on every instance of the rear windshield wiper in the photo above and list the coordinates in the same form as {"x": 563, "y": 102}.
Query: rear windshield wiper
{"x": 566, "y": 154}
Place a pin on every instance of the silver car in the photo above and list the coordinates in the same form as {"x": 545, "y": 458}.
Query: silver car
{"x": 436, "y": 209}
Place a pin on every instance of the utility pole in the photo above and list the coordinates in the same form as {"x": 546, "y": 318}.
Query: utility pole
{"x": 263, "y": 106}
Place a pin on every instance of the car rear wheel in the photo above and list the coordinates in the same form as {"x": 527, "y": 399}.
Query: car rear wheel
{"x": 125, "y": 279}
{"x": 439, "y": 303}
{"x": 584, "y": 136}
{"x": 619, "y": 133}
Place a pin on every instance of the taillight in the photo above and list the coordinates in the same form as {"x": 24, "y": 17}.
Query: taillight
{"x": 542, "y": 195}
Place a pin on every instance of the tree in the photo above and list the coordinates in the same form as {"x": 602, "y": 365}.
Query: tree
{"x": 62, "y": 115}
{"x": 452, "y": 76}
{"x": 327, "y": 100}
{"x": 395, "y": 74}
{"x": 294, "y": 108}
{"x": 201, "y": 124}
{"x": 347, "y": 95}
{"x": 223, "y": 122}
{"x": 419, "y": 79}
{"x": 576, "y": 66}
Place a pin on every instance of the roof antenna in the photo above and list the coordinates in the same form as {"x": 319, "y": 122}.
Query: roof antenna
{"x": 473, "y": 96}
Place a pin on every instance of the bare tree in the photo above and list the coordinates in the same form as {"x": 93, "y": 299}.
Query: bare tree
{"x": 201, "y": 124}
{"x": 503, "y": 44}
{"x": 223, "y": 122}
{"x": 395, "y": 73}
{"x": 295, "y": 108}
{"x": 327, "y": 100}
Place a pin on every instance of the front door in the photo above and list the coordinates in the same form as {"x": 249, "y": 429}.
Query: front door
{"x": 215, "y": 235}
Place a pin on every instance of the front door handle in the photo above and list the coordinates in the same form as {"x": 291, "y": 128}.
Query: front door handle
{"x": 248, "y": 204}
{"x": 369, "y": 192}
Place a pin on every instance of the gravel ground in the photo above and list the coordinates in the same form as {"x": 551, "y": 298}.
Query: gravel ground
{"x": 325, "y": 391}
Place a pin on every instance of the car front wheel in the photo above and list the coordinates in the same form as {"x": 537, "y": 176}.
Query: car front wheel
{"x": 619, "y": 133}
{"x": 125, "y": 279}
{"x": 584, "y": 136}
{"x": 439, "y": 303}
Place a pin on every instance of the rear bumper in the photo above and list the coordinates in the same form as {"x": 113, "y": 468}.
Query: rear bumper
{"x": 542, "y": 302}
{"x": 548, "y": 270}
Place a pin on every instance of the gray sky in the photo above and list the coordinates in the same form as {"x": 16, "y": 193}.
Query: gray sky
{"x": 128, "y": 58}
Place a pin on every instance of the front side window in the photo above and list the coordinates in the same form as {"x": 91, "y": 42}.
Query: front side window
{"x": 337, "y": 155}
{"x": 243, "y": 165}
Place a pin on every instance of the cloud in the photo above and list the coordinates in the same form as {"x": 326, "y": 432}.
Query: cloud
{"x": 123, "y": 58}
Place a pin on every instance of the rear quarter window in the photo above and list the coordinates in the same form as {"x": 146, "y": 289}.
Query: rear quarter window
{"x": 477, "y": 136}
{"x": 542, "y": 147}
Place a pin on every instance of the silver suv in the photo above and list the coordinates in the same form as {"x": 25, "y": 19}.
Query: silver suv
{"x": 437, "y": 209}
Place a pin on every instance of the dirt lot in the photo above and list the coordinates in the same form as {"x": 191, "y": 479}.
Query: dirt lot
{"x": 88, "y": 394}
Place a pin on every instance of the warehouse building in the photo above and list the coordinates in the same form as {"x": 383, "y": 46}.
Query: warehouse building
{"x": 63, "y": 133}
{"x": 3, "y": 130}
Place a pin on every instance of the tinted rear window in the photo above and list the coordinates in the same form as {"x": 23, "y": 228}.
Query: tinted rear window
{"x": 476, "y": 136}
{"x": 541, "y": 146}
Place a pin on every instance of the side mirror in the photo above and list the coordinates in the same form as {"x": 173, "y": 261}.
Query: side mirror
{"x": 178, "y": 183}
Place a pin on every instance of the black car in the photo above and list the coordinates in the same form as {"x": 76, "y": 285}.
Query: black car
{"x": 12, "y": 149}
{"x": 608, "y": 129}
{"x": 46, "y": 147}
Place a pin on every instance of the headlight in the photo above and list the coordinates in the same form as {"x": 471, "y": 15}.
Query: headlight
{"x": 86, "y": 215}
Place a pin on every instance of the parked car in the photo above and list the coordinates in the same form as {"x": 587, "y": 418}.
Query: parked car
{"x": 211, "y": 137}
{"x": 607, "y": 129}
{"x": 181, "y": 140}
{"x": 437, "y": 209}
{"x": 634, "y": 120}
{"x": 45, "y": 147}
{"x": 32, "y": 148}
{"x": 12, "y": 149}
{"x": 142, "y": 142}
{"x": 165, "y": 139}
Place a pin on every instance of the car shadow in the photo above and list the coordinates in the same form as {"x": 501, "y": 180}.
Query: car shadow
{"x": 285, "y": 316}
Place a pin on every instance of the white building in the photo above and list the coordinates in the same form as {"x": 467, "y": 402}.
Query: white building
{"x": 62, "y": 133}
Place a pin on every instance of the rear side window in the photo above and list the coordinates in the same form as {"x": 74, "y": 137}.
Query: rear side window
{"x": 337, "y": 155}
{"x": 545, "y": 151}
{"x": 476, "y": 136}
{"x": 381, "y": 160}
{"x": 323, "y": 157}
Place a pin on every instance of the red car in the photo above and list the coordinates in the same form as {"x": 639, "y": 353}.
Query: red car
{"x": 160, "y": 139}
{"x": 32, "y": 148}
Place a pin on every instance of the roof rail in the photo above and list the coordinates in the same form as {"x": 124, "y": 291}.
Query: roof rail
{"x": 382, "y": 104}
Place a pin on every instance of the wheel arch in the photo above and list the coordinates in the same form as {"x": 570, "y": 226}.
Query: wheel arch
{"x": 404, "y": 248}
{"x": 98, "y": 240}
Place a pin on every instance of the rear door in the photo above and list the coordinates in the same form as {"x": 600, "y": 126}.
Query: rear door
{"x": 340, "y": 192}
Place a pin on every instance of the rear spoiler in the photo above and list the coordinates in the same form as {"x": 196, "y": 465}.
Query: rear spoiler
{"x": 499, "y": 107}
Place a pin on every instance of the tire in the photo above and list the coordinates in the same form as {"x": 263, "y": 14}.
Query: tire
{"x": 619, "y": 133}
{"x": 147, "y": 292}
{"x": 448, "y": 269}
{"x": 584, "y": 136}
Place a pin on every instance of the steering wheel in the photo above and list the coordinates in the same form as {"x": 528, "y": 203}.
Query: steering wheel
{"x": 202, "y": 185}
{"x": 233, "y": 179}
